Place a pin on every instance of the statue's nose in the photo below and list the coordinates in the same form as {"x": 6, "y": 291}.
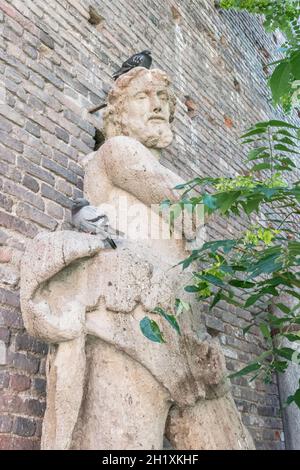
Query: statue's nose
{"x": 156, "y": 105}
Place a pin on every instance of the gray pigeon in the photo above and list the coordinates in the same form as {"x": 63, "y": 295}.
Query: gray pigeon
{"x": 87, "y": 218}
{"x": 142, "y": 59}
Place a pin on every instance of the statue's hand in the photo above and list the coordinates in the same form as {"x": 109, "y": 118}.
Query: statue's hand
{"x": 54, "y": 317}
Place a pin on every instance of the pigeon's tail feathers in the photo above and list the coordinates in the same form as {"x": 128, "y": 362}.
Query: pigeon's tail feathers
{"x": 111, "y": 242}
{"x": 121, "y": 71}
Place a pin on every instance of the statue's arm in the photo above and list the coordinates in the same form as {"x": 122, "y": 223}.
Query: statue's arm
{"x": 47, "y": 255}
{"x": 133, "y": 168}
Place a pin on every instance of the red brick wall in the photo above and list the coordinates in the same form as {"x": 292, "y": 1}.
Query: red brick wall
{"x": 54, "y": 65}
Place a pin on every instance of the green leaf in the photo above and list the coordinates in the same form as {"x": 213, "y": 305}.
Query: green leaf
{"x": 265, "y": 330}
{"x": 227, "y": 200}
{"x": 279, "y": 81}
{"x": 284, "y": 148}
{"x": 286, "y": 140}
{"x": 283, "y": 308}
{"x": 246, "y": 370}
{"x": 253, "y": 132}
{"x": 287, "y": 353}
{"x": 251, "y": 300}
{"x": 253, "y": 154}
{"x": 170, "y": 318}
{"x": 295, "y": 65}
{"x": 261, "y": 166}
{"x": 216, "y": 281}
{"x": 191, "y": 288}
{"x": 291, "y": 337}
{"x": 216, "y": 299}
{"x": 226, "y": 245}
{"x": 151, "y": 330}
{"x": 242, "y": 284}
{"x": 252, "y": 205}
{"x": 267, "y": 264}
{"x": 277, "y": 123}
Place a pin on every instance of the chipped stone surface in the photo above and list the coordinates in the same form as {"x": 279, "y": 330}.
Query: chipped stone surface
{"x": 87, "y": 302}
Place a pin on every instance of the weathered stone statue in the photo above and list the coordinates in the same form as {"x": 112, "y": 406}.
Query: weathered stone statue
{"x": 109, "y": 387}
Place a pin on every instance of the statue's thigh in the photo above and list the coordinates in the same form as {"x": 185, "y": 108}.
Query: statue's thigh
{"x": 124, "y": 406}
{"x": 208, "y": 425}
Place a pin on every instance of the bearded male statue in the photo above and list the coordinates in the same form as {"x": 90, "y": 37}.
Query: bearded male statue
{"x": 108, "y": 386}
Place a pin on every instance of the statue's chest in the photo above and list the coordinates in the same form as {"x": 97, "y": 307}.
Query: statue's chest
{"x": 132, "y": 275}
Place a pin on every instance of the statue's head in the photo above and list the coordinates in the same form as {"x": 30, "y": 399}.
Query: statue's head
{"x": 141, "y": 105}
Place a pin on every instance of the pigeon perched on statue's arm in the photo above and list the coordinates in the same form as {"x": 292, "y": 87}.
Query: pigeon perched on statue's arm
{"x": 87, "y": 218}
{"x": 142, "y": 59}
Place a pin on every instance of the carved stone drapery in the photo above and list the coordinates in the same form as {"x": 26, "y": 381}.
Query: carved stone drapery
{"x": 109, "y": 387}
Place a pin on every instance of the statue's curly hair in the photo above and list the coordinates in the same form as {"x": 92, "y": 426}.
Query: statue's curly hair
{"x": 116, "y": 98}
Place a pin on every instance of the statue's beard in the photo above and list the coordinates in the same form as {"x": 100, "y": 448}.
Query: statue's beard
{"x": 152, "y": 135}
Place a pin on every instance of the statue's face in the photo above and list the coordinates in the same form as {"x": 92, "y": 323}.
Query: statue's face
{"x": 146, "y": 112}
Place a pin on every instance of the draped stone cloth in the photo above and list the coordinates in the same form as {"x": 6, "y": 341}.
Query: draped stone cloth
{"x": 108, "y": 386}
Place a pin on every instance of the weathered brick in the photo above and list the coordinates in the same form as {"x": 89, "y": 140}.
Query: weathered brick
{"x": 28, "y": 212}
{"x": 5, "y": 125}
{"x": 36, "y": 104}
{"x": 54, "y": 210}
{"x": 23, "y": 194}
{"x": 4, "y": 379}
{"x": 33, "y": 128}
{"x": 37, "y": 80}
{"x": 14, "y": 223}
{"x": 6, "y": 202}
{"x": 11, "y": 142}
{"x": 31, "y": 183}
{"x": 6, "y": 442}
{"x": 76, "y": 169}
{"x": 9, "y": 298}
{"x": 39, "y": 386}
{"x": 26, "y": 363}
{"x": 4, "y": 237}
{"x": 30, "y": 51}
{"x": 24, "y": 342}
{"x": 14, "y": 117}
{"x": 34, "y": 407}
{"x": 86, "y": 126}
{"x": 24, "y": 427}
{"x": 46, "y": 74}
{"x": 25, "y": 443}
{"x": 62, "y": 134}
{"x": 9, "y": 275}
{"x": 55, "y": 196}
{"x": 64, "y": 187}
{"x": 59, "y": 170}
{"x": 5, "y": 254}
{"x": 32, "y": 154}
{"x": 7, "y": 155}
{"x": 13, "y": 75}
{"x": 35, "y": 170}
{"x": 10, "y": 318}
{"x": 6, "y": 423}
{"x": 20, "y": 383}
{"x": 3, "y": 353}
{"x": 47, "y": 40}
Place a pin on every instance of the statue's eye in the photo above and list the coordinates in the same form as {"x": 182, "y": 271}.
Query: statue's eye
{"x": 141, "y": 96}
{"x": 163, "y": 96}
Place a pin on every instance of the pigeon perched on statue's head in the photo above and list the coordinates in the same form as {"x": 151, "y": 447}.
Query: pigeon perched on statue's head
{"x": 87, "y": 218}
{"x": 142, "y": 59}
